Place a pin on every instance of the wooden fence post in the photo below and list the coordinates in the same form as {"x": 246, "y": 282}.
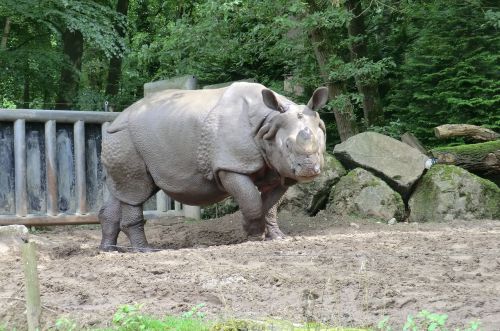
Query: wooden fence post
{"x": 33, "y": 305}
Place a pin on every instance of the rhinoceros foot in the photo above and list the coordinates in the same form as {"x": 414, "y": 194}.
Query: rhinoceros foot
{"x": 108, "y": 248}
{"x": 255, "y": 237}
{"x": 145, "y": 249}
{"x": 274, "y": 233}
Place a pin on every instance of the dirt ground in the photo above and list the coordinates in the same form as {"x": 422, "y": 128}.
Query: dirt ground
{"x": 344, "y": 272}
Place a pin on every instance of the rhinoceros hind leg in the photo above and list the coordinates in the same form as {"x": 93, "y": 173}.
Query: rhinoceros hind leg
{"x": 132, "y": 224}
{"x": 109, "y": 217}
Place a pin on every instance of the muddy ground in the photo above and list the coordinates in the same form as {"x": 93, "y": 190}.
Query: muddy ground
{"x": 343, "y": 272}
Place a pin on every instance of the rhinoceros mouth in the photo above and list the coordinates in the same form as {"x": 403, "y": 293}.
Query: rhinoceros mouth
{"x": 306, "y": 167}
{"x": 306, "y": 179}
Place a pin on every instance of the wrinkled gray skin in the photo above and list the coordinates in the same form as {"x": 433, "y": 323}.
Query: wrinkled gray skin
{"x": 201, "y": 146}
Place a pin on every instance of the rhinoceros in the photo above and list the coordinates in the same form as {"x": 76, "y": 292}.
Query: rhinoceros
{"x": 201, "y": 146}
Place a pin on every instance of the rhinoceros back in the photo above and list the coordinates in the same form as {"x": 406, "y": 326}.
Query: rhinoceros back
{"x": 178, "y": 141}
{"x": 166, "y": 132}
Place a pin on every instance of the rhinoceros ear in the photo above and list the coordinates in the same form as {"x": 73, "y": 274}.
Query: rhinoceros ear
{"x": 270, "y": 100}
{"x": 319, "y": 98}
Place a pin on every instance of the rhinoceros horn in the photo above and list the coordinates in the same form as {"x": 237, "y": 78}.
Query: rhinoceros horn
{"x": 306, "y": 142}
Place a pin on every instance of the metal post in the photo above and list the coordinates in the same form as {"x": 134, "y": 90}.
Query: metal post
{"x": 177, "y": 206}
{"x": 81, "y": 185}
{"x": 192, "y": 212}
{"x": 51, "y": 166}
{"x": 161, "y": 202}
{"x": 20, "y": 168}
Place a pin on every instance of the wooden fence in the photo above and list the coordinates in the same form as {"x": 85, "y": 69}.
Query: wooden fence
{"x": 50, "y": 169}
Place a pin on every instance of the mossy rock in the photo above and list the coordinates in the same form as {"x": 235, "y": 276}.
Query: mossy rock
{"x": 397, "y": 163}
{"x": 447, "y": 192}
{"x": 362, "y": 194}
{"x": 309, "y": 198}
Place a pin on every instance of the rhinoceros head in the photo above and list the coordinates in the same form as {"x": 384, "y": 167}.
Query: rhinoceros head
{"x": 294, "y": 138}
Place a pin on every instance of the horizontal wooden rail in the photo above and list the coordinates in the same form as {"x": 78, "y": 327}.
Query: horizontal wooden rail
{"x": 68, "y": 219}
{"x": 60, "y": 116}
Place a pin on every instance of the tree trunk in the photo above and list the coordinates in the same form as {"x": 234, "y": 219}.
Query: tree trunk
{"x": 409, "y": 139}
{"x": 115, "y": 63}
{"x": 70, "y": 73}
{"x": 26, "y": 91}
{"x": 345, "y": 119}
{"x": 482, "y": 159}
{"x": 5, "y": 35}
{"x": 372, "y": 107}
{"x": 467, "y": 130}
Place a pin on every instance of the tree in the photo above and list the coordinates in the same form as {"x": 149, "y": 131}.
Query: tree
{"x": 344, "y": 113}
{"x": 451, "y": 66}
{"x": 115, "y": 63}
{"x": 41, "y": 33}
{"x": 68, "y": 85}
{"x": 372, "y": 107}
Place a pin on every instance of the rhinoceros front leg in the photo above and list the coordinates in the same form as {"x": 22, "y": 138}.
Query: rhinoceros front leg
{"x": 271, "y": 201}
{"x": 132, "y": 224}
{"x": 243, "y": 190}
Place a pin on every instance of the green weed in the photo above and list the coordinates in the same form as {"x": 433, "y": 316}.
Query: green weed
{"x": 426, "y": 321}
{"x": 131, "y": 318}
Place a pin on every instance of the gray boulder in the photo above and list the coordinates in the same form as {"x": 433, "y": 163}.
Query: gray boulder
{"x": 448, "y": 192}
{"x": 309, "y": 198}
{"x": 397, "y": 163}
{"x": 12, "y": 236}
{"x": 361, "y": 194}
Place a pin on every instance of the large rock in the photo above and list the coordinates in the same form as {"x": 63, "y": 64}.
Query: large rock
{"x": 12, "y": 236}
{"x": 309, "y": 198}
{"x": 397, "y": 163}
{"x": 448, "y": 192}
{"x": 361, "y": 194}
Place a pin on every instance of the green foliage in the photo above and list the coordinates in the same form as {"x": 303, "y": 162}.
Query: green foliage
{"x": 31, "y": 62}
{"x": 130, "y": 318}
{"x": 65, "y": 324}
{"x": 227, "y": 206}
{"x": 426, "y": 321}
{"x": 50, "y": 17}
{"x": 450, "y": 71}
{"x": 433, "y": 62}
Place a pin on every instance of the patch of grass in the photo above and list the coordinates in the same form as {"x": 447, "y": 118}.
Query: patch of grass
{"x": 130, "y": 318}
{"x": 426, "y": 321}
{"x": 274, "y": 325}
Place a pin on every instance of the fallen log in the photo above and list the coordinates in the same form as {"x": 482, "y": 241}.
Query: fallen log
{"x": 465, "y": 130}
{"x": 482, "y": 159}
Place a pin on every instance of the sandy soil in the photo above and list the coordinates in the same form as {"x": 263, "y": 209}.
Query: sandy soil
{"x": 345, "y": 273}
